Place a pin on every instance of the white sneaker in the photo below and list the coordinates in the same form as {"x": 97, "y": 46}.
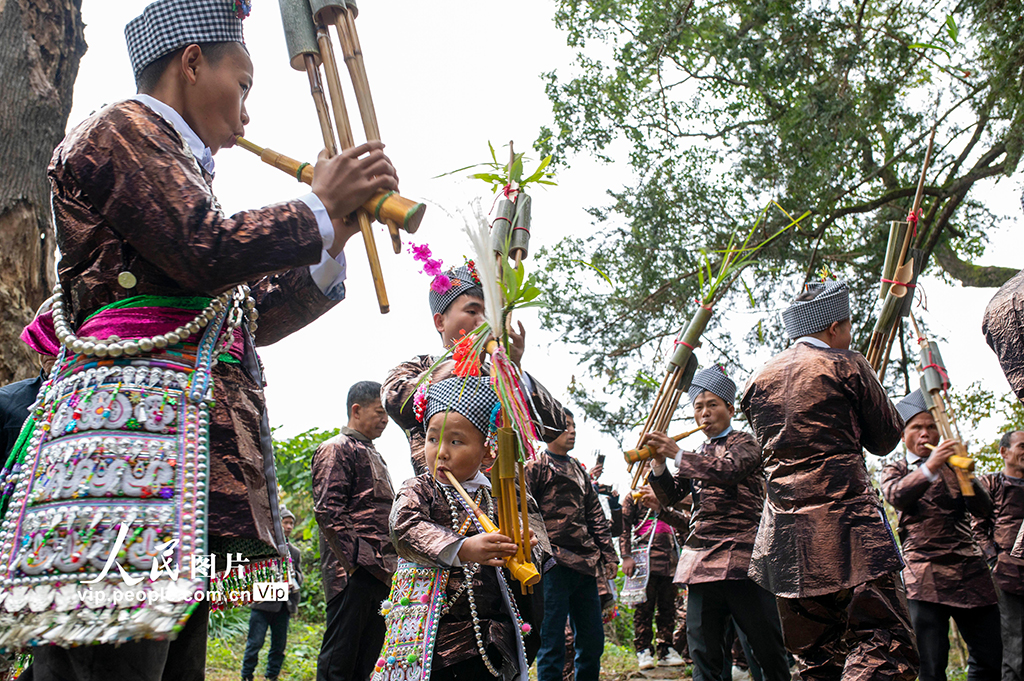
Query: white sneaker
{"x": 740, "y": 674}
{"x": 671, "y": 659}
{"x": 645, "y": 659}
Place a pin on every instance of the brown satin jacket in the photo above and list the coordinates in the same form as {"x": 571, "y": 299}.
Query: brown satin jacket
{"x": 728, "y": 487}
{"x": 1003, "y": 326}
{"x": 812, "y": 410}
{"x": 400, "y": 385}
{"x": 352, "y": 499}
{"x": 944, "y": 563}
{"x": 421, "y": 528}
{"x": 997, "y": 531}
{"x": 664, "y": 553}
{"x": 129, "y": 196}
{"x": 579, "y": 532}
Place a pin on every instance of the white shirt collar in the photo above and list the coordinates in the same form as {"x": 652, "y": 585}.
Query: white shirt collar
{"x": 811, "y": 340}
{"x": 728, "y": 429}
{"x": 913, "y": 458}
{"x": 199, "y": 150}
{"x": 473, "y": 484}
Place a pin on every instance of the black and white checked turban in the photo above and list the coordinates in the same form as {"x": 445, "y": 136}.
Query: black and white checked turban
{"x": 713, "y": 380}
{"x": 462, "y": 282}
{"x": 806, "y": 317}
{"x": 911, "y": 405}
{"x": 473, "y": 397}
{"x": 167, "y": 25}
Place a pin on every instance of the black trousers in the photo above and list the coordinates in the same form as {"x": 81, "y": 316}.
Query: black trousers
{"x": 183, "y": 659}
{"x": 354, "y": 633}
{"x": 979, "y": 628}
{"x": 708, "y": 611}
{"x": 661, "y": 595}
{"x": 1011, "y": 619}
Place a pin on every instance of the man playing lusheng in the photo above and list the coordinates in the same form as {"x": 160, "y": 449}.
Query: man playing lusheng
{"x": 456, "y": 311}
{"x": 946, "y": 575}
{"x": 996, "y": 534}
{"x": 138, "y": 225}
{"x": 727, "y": 483}
{"x": 824, "y": 547}
{"x": 352, "y": 498}
{"x": 583, "y": 553}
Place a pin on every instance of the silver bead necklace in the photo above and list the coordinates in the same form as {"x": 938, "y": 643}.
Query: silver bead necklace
{"x": 241, "y": 307}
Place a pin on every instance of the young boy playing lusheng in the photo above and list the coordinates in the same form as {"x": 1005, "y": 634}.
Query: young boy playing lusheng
{"x": 144, "y": 247}
{"x": 451, "y": 613}
{"x": 824, "y": 547}
{"x": 728, "y": 487}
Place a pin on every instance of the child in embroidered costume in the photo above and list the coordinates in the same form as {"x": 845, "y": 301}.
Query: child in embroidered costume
{"x": 451, "y": 613}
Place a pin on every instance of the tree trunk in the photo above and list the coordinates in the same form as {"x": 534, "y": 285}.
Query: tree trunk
{"x": 41, "y": 44}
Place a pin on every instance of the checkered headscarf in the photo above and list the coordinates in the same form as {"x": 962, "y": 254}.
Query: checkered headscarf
{"x": 911, "y": 405}
{"x": 473, "y": 397}
{"x": 713, "y": 380}
{"x": 806, "y": 317}
{"x": 167, "y": 25}
{"x": 462, "y": 282}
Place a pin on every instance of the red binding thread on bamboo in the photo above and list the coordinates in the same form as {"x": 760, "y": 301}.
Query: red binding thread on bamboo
{"x": 912, "y": 218}
{"x": 894, "y": 281}
{"x": 682, "y": 342}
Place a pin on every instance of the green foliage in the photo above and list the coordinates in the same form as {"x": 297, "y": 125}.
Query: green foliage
{"x": 509, "y": 174}
{"x": 229, "y": 622}
{"x": 295, "y": 483}
{"x": 721, "y": 106}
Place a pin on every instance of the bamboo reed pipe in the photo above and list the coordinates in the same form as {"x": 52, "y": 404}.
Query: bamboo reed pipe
{"x": 383, "y": 206}
{"x": 523, "y": 572}
{"x": 316, "y": 89}
{"x": 645, "y": 452}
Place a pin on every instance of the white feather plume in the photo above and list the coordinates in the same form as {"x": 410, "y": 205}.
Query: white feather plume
{"x": 484, "y": 257}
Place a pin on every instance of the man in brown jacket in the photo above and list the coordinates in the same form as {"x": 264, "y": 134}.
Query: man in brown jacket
{"x": 996, "y": 534}
{"x": 352, "y": 499}
{"x": 824, "y": 547}
{"x": 581, "y": 544}
{"x": 728, "y": 487}
{"x": 946, "y": 575}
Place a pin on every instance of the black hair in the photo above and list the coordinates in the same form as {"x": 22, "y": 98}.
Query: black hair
{"x": 474, "y": 292}
{"x": 1004, "y": 441}
{"x": 363, "y": 393}
{"x": 150, "y": 77}
{"x": 806, "y": 295}
{"x": 569, "y": 413}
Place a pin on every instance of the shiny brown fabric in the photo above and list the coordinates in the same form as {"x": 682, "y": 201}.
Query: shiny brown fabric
{"x": 728, "y": 485}
{"x": 421, "y": 527}
{"x": 128, "y": 196}
{"x": 400, "y": 385}
{"x": 664, "y": 554}
{"x": 944, "y": 563}
{"x": 997, "y": 531}
{"x": 812, "y": 410}
{"x": 1003, "y": 326}
{"x": 579, "y": 532}
{"x": 857, "y": 634}
{"x": 352, "y": 499}
{"x": 661, "y": 596}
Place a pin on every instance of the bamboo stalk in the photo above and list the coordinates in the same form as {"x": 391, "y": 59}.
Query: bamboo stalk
{"x": 645, "y": 452}
{"x": 353, "y": 51}
{"x": 523, "y": 572}
{"x": 316, "y": 89}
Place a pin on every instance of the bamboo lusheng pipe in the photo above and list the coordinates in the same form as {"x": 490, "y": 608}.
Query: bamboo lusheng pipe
{"x": 646, "y": 452}
{"x": 932, "y": 385}
{"x": 881, "y": 333}
{"x": 382, "y": 206}
{"x": 523, "y": 572}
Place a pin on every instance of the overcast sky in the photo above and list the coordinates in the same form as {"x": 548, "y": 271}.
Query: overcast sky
{"x": 446, "y": 78}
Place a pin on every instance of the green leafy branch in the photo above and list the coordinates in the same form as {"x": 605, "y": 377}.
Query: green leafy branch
{"x": 500, "y": 175}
